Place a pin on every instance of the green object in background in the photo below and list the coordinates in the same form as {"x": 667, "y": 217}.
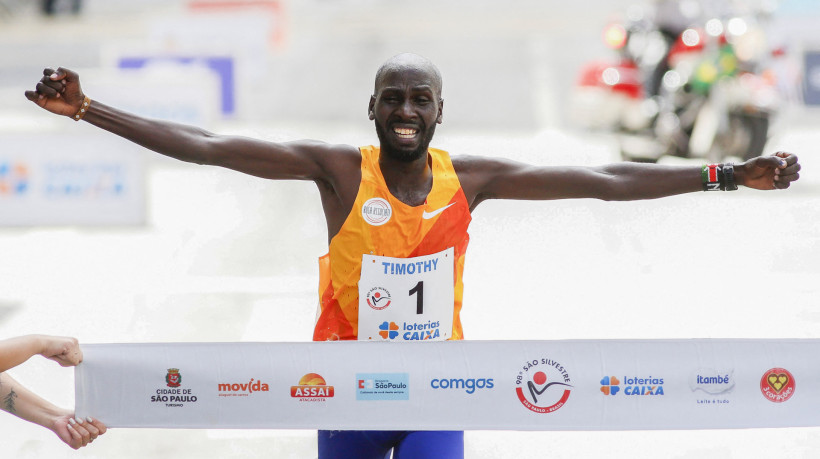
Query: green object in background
{"x": 712, "y": 69}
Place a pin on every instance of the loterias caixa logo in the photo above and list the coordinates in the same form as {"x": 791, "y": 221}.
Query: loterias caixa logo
{"x": 173, "y": 395}
{"x": 312, "y": 387}
{"x": 543, "y": 385}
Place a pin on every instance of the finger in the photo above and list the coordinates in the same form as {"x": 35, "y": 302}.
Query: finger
{"x": 68, "y": 75}
{"x": 76, "y": 357}
{"x": 99, "y": 425}
{"x": 33, "y": 96}
{"x": 789, "y": 157}
{"x": 787, "y": 178}
{"x": 76, "y": 440}
{"x": 791, "y": 170}
{"x": 46, "y": 90}
{"x": 80, "y": 427}
{"x": 91, "y": 428}
{"x": 55, "y": 74}
{"x": 56, "y": 84}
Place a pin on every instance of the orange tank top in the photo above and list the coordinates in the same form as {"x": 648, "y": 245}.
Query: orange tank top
{"x": 381, "y": 225}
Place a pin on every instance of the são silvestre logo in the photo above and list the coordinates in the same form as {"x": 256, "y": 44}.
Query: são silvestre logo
{"x": 543, "y": 385}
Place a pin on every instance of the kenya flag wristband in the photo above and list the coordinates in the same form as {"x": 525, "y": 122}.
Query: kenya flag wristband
{"x": 713, "y": 177}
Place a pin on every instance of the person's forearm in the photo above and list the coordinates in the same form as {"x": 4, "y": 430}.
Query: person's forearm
{"x": 21, "y": 402}
{"x": 14, "y": 351}
{"x": 186, "y": 143}
{"x": 631, "y": 181}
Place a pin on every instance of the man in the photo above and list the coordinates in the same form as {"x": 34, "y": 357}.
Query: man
{"x": 397, "y": 214}
{"x": 21, "y": 402}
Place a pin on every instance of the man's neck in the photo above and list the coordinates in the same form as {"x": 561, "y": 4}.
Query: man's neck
{"x": 409, "y": 182}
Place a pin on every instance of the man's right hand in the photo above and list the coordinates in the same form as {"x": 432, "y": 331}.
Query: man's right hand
{"x": 58, "y": 92}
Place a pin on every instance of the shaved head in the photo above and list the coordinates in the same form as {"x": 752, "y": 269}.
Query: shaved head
{"x": 409, "y": 61}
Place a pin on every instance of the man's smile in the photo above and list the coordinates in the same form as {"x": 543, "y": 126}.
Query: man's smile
{"x": 405, "y": 133}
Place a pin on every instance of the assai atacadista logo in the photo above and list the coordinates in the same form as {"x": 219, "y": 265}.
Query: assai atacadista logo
{"x": 173, "y": 395}
{"x": 543, "y": 385}
{"x": 312, "y": 387}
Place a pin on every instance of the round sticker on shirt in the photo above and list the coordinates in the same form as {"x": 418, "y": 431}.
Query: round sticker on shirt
{"x": 376, "y": 211}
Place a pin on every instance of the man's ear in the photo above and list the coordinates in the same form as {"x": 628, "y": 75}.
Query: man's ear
{"x": 440, "y": 111}
{"x": 370, "y": 113}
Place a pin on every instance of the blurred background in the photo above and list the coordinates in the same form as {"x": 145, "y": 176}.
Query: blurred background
{"x": 104, "y": 241}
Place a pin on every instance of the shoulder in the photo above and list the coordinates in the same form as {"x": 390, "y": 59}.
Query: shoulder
{"x": 484, "y": 168}
{"x": 319, "y": 148}
{"x": 471, "y": 163}
{"x": 329, "y": 156}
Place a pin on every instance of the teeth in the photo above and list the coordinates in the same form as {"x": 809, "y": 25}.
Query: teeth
{"x": 405, "y": 133}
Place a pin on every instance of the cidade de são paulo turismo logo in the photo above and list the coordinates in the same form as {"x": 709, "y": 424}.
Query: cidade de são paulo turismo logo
{"x": 173, "y": 395}
{"x": 543, "y": 385}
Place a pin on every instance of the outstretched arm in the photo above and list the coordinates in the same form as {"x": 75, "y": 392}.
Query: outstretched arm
{"x": 14, "y": 351}
{"x": 59, "y": 92}
{"x": 484, "y": 178}
{"x": 21, "y": 402}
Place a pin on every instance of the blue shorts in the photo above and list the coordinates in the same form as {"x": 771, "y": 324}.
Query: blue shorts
{"x": 370, "y": 444}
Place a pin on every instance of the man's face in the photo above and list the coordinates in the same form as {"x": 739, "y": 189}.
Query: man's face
{"x": 406, "y": 108}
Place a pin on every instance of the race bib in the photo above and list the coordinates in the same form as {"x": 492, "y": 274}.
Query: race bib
{"x": 406, "y": 299}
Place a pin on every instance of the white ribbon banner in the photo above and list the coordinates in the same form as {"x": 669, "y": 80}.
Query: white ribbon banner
{"x": 454, "y": 385}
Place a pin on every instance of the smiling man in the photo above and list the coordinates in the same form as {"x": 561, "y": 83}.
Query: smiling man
{"x": 397, "y": 214}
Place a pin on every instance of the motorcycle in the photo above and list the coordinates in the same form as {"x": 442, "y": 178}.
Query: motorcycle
{"x": 701, "y": 93}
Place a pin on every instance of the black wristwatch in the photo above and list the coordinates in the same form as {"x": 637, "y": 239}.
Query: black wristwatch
{"x": 729, "y": 177}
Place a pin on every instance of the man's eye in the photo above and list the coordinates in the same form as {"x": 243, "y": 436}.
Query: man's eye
{"x": 422, "y": 100}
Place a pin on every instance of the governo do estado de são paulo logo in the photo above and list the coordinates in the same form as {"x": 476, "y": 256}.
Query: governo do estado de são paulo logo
{"x": 543, "y": 385}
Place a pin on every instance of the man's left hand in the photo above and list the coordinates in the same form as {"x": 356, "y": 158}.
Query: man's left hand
{"x": 774, "y": 172}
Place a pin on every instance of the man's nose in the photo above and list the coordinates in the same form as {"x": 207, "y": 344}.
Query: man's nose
{"x": 406, "y": 110}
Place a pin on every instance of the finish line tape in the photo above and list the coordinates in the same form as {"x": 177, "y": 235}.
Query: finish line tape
{"x": 454, "y": 385}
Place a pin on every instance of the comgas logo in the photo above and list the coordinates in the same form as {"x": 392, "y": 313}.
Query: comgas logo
{"x": 467, "y": 385}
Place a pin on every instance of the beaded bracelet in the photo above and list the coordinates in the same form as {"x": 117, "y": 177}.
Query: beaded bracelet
{"x": 83, "y": 109}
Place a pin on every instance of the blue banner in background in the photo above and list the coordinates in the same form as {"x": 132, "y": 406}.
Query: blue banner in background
{"x": 811, "y": 92}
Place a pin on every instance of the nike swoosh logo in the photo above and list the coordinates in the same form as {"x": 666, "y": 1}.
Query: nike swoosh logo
{"x": 428, "y": 215}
